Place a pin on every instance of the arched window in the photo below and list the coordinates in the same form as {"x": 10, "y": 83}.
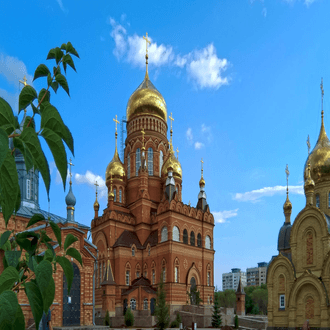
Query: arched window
{"x": 145, "y": 271}
{"x": 137, "y": 274}
{"x": 133, "y": 304}
{"x": 281, "y": 284}
{"x": 208, "y": 278}
{"x": 28, "y": 188}
{"x": 115, "y": 195}
{"x": 309, "y": 308}
{"x": 317, "y": 199}
{"x": 153, "y": 277}
{"x": 176, "y": 234}
{"x": 100, "y": 275}
{"x": 164, "y": 273}
{"x": 149, "y": 250}
{"x": 150, "y": 161}
{"x": 199, "y": 240}
{"x": 120, "y": 195}
{"x": 164, "y": 234}
{"x": 145, "y": 304}
{"x": 192, "y": 238}
{"x": 161, "y": 160}
{"x": 207, "y": 242}
{"x": 133, "y": 251}
{"x": 127, "y": 277}
{"x": 185, "y": 236}
{"x": 103, "y": 272}
{"x": 128, "y": 166}
{"x": 137, "y": 161}
{"x": 176, "y": 274}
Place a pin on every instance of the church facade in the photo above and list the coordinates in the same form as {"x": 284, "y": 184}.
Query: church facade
{"x": 298, "y": 278}
{"x": 146, "y": 230}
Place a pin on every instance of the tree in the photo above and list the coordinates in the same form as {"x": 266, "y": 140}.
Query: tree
{"x": 25, "y": 269}
{"x": 162, "y": 309}
{"x": 194, "y": 296}
{"x": 236, "y": 321}
{"x": 129, "y": 318}
{"x": 107, "y": 318}
{"x": 227, "y": 298}
{"x": 260, "y": 298}
{"x": 216, "y": 316}
{"x": 177, "y": 321}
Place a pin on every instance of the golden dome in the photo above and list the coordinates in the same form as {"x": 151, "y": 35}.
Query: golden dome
{"x": 202, "y": 182}
{"x": 309, "y": 182}
{"x": 146, "y": 99}
{"x": 96, "y": 204}
{"x": 287, "y": 207}
{"x": 319, "y": 158}
{"x": 115, "y": 169}
{"x": 173, "y": 162}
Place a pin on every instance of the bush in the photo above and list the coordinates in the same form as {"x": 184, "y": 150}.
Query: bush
{"x": 178, "y": 318}
{"x": 236, "y": 321}
{"x": 175, "y": 324}
{"x": 107, "y": 319}
{"x": 129, "y": 318}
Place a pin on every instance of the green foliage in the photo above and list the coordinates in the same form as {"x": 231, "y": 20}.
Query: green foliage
{"x": 256, "y": 299}
{"x": 25, "y": 267}
{"x": 107, "y": 318}
{"x": 129, "y": 318}
{"x": 227, "y": 298}
{"x": 162, "y": 309}
{"x": 216, "y": 316}
{"x": 194, "y": 296}
{"x": 176, "y": 322}
{"x": 236, "y": 322}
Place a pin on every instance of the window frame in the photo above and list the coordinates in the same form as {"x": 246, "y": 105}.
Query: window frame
{"x": 132, "y": 304}
{"x": 137, "y": 161}
{"x": 120, "y": 195}
{"x": 185, "y": 236}
{"x": 127, "y": 279}
{"x": 28, "y": 188}
{"x": 192, "y": 238}
{"x": 178, "y": 234}
{"x": 282, "y": 306}
{"x": 317, "y": 200}
{"x": 145, "y": 304}
{"x": 150, "y": 161}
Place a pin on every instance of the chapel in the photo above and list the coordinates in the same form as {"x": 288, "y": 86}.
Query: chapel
{"x": 298, "y": 277}
{"x": 146, "y": 230}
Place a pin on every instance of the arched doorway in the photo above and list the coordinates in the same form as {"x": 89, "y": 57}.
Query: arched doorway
{"x": 71, "y": 303}
{"x": 193, "y": 291}
{"x": 152, "y": 306}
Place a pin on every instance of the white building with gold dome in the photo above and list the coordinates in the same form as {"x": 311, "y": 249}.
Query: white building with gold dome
{"x": 298, "y": 278}
{"x": 145, "y": 229}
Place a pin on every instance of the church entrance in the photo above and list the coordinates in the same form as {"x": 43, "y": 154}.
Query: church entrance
{"x": 193, "y": 291}
{"x": 152, "y": 306}
{"x": 71, "y": 303}
{"x": 125, "y": 306}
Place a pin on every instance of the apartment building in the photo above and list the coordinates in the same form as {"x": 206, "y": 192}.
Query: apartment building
{"x": 231, "y": 280}
{"x": 257, "y": 275}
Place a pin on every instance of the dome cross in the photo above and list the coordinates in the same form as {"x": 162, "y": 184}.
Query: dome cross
{"x": 24, "y": 82}
{"x": 202, "y": 162}
{"x": 287, "y": 178}
{"x": 96, "y": 185}
{"x": 147, "y": 42}
{"x": 177, "y": 153}
{"x": 70, "y": 163}
{"x": 322, "y": 93}
{"x": 308, "y": 145}
{"x": 116, "y": 121}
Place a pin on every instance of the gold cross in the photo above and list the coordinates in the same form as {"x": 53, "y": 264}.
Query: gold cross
{"x": 96, "y": 185}
{"x": 116, "y": 121}
{"x": 147, "y": 42}
{"x": 322, "y": 91}
{"x": 287, "y": 175}
{"x": 202, "y": 162}
{"x": 177, "y": 153}
{"x": 308, "y": 144}
{"x": 24, "y": 82}
{"x": 171, "y": 118}
{"x": 70, "y": 169}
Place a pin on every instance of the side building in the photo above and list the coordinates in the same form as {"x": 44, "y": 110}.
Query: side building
{"x": 231, "y": 280}
{"x": 256, "y": 276}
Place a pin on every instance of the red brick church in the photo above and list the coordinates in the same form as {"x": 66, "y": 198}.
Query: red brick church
{"x": 146, "y": 229}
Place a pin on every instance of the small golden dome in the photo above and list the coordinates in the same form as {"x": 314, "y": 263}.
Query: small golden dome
{"x": 287, "y": 207}
{"x": 319, "y": 158}
{"x": 202, "y": 182}
{"x": 111, "y": 195}
{"x": 115, "y": 169}
{"x": 173, "y": 162}
{"x": 96, "y": 204}
{"x": 309, "y": 182}
{"x": 146, "y": 99}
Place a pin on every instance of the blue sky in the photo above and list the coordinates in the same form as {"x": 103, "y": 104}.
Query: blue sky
{"x": 241, "y": 78}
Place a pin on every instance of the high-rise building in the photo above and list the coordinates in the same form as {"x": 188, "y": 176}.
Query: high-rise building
{"x": 256, "y": 275}
{"x": 231, "y": 280}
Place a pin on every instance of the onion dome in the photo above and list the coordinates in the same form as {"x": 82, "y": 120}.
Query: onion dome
{"x": 174, "y": 163}
{"x": 146, "y": 100}
{"x": 283, "y": 242}
{"x": 309, "y": 182}
{"x": 115, "y": 169}
{"x": 287, "y": 207}
{"x": 70, "y": 199}
{"x": 111, "y": 195}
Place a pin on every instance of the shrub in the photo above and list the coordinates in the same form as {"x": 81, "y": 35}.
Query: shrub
{"x": 129, "y": 318}
{"x": 236, "y": 321}
{"x": 175, "y": 324}
{"x": 107, "y": 319}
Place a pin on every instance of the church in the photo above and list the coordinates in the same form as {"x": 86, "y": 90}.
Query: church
{"x": 146, "y": 230}
{"x": 298, "y": 277}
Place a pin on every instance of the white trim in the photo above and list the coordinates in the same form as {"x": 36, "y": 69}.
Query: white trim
{"x": 280, "y": 302}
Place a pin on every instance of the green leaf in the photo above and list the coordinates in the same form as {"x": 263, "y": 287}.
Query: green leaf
{"x": 57, "y": 232}
{"x": 41, "y": 71}
{"x": 4, "y": 261}
{"x": 4, "y": 237}
{"x": 63, "y": 82}
{"x": 54, "y": 85}
{"x": 6, "y": 247}
{"x": 74, "y": 253}
{"x": 70, "y": 49}
{"x": 30, "y": 137}
{"x": 12, "y": 257}
{"x": 50, "y": 118}
{"x": 41, "y": 95}
{"x": 8, "y": 278}
{"x": 63, "y": 47}
{"x": 26, "y": 244}
{"x": 9, "y": 186}
{"x": 28, "y": 94}
{"x": 18, "y": 201}
{"x": 67, "y": 268}
{"x": 20, "y": 145}
{"x": 44, "y": 237}
{"x": 49, "y": 255}
{"x": 35, "y": 218}
{"x": 58, "y": 54}
{"x": 64, "y": 66}
{"x": 35, "y": 109}
{"x": 56, "y": 146}
{"x": 49, "y": 295}
{"x": 69, "y": 239}
{"x": 44, "y": 274}
{"x": 7, "y": 116}
{"x": 51, "y": 54}
{"x": 56, "y": 70}
{"x": 49, "y": 79}
{"x": 50, "y": 247}
{"x": 27, "y": 122}
{"x": 19, "y": 323}
{"x": 4, "y": 143}
{"x": 35, "y": 299}
{"x": 67, "y": 59}
{"x": 8, "y": 309}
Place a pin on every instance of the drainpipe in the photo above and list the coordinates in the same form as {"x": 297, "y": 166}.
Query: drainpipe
{"x": 95, "y": 269}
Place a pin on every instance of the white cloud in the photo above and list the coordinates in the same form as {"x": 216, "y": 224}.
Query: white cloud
{"x": 13, "y": 69}
{"x": 206, "y": 131}
{"x": 306, "y": 2}
{"x": 206, "y": 68}
{"x": 198, "y": 145}
{"x": 60, "y": 3}
{"x": 189, "y": 135}
{"x": 90, "y": 178}
{"x": 203, "y": 66}
{"x": 264, "y": 12}
{"x": 255, "y": 195}
{"x": 222, "y": 216}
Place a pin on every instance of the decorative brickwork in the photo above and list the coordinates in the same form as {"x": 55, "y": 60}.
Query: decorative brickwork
{"x": 309, "y": 308}
{"x": 309, "y": 248}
